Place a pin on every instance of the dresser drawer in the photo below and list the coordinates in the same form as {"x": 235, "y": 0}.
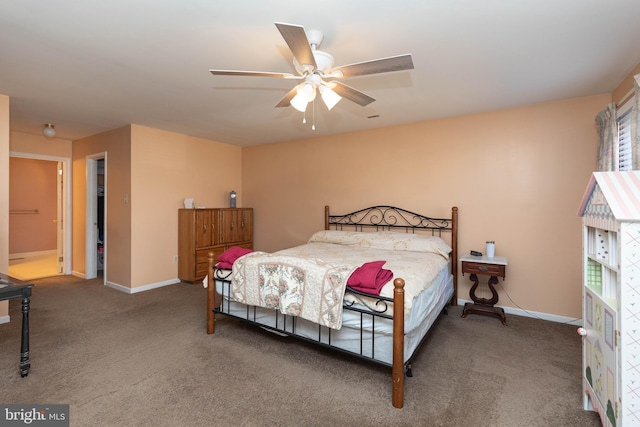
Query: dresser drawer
{"x": 483, "y": 268}
{"x": 202, "y": 255}
{"x": 202, "y": 260}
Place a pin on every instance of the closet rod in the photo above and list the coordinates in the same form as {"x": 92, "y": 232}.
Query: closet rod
{"x": 24, "y": 211}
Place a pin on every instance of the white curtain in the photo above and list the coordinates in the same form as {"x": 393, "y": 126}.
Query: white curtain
{"x": 635, "y": 119}
{"x": 607, "y": 147}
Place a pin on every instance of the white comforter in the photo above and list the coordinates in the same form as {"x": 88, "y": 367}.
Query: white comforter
{"x": 415, "y": 258}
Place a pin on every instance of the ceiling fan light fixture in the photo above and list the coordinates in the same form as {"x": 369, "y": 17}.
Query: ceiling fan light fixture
{"x": 315, "y": 67}
{"x": 49, "y": 130}
{"x": 299, "y": 102}
{"x": 307, "y": 91}
{"x": 329, "y": 97}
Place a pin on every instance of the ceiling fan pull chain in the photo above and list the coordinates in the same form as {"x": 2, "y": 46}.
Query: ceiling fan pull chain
{"x": 313, "y": 126}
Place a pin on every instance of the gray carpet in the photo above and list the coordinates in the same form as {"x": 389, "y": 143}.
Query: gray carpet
{"x": 146, "y": 360}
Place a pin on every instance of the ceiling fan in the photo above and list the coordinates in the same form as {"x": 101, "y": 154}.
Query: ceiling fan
{"x": 316, "y": 70}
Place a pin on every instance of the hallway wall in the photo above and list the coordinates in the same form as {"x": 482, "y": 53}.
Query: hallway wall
{"x": 32, "y": 205}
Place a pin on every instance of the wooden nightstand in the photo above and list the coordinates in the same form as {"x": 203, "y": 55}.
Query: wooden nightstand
{"x": 492, "y": 267}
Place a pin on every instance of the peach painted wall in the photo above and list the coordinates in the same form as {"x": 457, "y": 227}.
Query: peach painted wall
{"x": 517, "y": 176}
{"x": 166, "y": 168}
{"x": 625, "y": 86}
{"x": 156, "y": 170}
{"x": 39, "y": 145}
{"x": 116, "y": 144}
{"x": 4, "y": 195}
{"x": 32, "y": 187}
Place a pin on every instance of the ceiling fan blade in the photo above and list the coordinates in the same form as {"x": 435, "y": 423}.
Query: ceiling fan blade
{"x": 352, "y": 94}
{"x": 286, "y": 100}
{"x": 376, "y": 66}
{"x": 298, "y": 43}
{"x": 253, "y": 74}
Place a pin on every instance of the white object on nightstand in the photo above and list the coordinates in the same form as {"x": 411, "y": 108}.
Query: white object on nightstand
{"x": 491, "y": 249}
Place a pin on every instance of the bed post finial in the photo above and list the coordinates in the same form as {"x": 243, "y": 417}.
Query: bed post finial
{"x": 326, "y": 217}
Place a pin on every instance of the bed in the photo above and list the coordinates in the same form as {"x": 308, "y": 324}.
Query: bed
{"x": 385, "y": 325}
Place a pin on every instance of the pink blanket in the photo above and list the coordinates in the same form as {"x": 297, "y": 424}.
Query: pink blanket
{"x": 228, "y": 257}
{"x": 370, "y": 277}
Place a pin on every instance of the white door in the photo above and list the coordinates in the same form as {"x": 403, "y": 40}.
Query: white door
{"x": 91, "y": 230}
{"x": 60, "y": 216}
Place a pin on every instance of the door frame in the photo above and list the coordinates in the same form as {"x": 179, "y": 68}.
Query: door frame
{"x": 60, "y": 177}
{"x": 65, "y": 210}
{"x": 91, "y": 230}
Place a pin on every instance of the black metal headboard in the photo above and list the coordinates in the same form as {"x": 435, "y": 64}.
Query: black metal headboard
{"x": 382, "y": 218}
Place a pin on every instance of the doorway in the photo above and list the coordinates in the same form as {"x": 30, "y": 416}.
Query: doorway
{"x": 39, "y": 226}
{"x": 96, "y": 224}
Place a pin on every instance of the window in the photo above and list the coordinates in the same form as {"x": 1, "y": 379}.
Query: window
{"x": 624, "y": 136}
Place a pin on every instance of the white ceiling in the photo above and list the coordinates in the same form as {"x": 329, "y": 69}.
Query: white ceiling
{"x": 90, "y": 66}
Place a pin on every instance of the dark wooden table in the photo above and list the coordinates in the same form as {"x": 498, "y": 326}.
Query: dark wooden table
{"x": 13, "y": 288}
{"x": 493, "y": 267}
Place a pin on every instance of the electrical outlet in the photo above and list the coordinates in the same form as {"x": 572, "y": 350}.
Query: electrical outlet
{"x": 175, "y": 259}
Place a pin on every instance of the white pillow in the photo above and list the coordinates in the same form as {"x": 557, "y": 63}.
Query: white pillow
{"x": 388, "y": 240}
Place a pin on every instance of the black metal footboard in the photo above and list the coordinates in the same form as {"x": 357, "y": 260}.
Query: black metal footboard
{"x": 371, "y": 310}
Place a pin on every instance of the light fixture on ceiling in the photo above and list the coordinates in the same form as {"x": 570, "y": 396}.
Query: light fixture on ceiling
{"x": 315, "y": 68}
{"x": 329, "y": 97}
{"x": 307, "y": 91}
{"x": 49, "y": 130}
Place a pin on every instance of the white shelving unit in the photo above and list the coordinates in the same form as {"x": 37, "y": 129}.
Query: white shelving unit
{"x": 610, "y": 211}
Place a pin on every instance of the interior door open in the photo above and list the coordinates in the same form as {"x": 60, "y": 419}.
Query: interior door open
{"x": 93, "y": 238}
{"x": 60, "y": 216}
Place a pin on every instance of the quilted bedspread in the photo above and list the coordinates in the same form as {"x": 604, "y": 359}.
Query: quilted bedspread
{"x": 416, "y": 259}
{"x": 306, "y": 287}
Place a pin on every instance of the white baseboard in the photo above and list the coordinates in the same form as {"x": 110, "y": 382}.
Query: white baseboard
{"x": 535, "y": 314}
{"x": 33, "y": 254}
{"x": 137, "y": 289}
{"x": 5, "y": 319}
{"x": 129, "y": 290}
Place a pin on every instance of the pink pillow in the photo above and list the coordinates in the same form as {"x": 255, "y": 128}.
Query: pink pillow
{"x": 229, "y": 256}
{"x": 224, "y": 265}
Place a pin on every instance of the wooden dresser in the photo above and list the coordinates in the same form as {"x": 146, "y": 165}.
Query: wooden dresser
{"x": 201, "y": 231}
